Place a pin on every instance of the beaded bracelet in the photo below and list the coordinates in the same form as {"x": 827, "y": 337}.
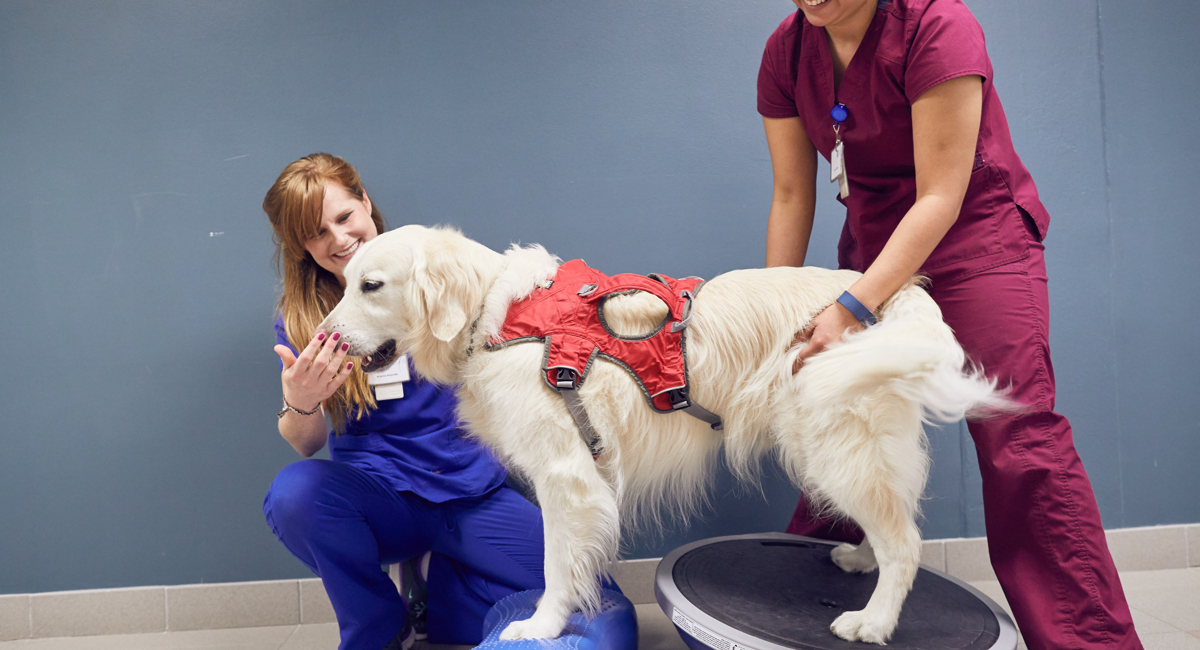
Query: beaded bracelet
{"x": 288, "y": 407}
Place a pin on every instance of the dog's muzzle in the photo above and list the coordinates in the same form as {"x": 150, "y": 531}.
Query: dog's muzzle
{"x": 381, "y": 358}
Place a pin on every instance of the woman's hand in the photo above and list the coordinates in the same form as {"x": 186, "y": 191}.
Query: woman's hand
{"x": 308, "y": 380}
{"x": 826, "y": 329}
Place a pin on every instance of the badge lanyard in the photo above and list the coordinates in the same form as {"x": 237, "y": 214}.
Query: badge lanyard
{"x": 837, "y": 159}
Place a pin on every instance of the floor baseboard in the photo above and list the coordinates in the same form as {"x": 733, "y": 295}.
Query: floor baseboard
{"x": 288, "y": 602}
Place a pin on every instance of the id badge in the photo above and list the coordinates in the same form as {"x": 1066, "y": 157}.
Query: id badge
{"x": 389, "y": 382}
{"x": 837, "y": 169}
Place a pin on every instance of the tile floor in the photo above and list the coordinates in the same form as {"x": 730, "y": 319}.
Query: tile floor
{"x": 1166, "y": 610}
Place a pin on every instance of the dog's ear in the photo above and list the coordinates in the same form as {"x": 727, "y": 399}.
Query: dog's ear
{"x": 447, "y": 287}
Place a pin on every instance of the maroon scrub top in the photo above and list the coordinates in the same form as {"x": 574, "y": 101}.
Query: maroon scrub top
{"x": 910, "y": 46}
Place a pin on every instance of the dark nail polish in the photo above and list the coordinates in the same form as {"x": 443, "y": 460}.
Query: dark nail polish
{"x": 345, "y": 346}
{"x": 337, "y": 335}
{"x": 321, "y": 336}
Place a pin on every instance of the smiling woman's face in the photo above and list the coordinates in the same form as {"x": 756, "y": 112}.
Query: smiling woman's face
{"x": 826, "y": 13}
{"x": 345, "y": 225}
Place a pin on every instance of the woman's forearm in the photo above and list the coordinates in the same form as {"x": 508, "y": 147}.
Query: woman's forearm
{"x": 945, "y": 129}
{"x": 789, "y": 228}
{"x": 794, "y": 195}
{"x": 305, "y": 433}
{"x": 909, "y": 246}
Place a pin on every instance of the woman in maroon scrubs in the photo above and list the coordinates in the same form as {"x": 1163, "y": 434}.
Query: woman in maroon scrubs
{"x": 900, "y": 92}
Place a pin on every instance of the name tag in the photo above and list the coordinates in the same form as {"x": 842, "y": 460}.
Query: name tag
{"x": 389, "y": 382}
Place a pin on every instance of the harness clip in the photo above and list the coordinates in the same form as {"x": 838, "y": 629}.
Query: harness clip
{"x": 678, "y": 399}
{"x": 587, "y": 289}
{"x": 566, "y": 378}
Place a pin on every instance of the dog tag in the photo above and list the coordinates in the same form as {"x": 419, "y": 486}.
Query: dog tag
{"x": 389, "y": 382}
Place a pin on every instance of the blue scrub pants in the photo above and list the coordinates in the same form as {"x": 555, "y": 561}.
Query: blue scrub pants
{"x": 343, "y": 524}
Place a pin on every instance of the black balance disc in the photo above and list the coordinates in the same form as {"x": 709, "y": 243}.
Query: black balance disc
{"x": 781, "y": 592}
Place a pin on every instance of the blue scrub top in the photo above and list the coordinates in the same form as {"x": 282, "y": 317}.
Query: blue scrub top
{"x": 415, "y": 443}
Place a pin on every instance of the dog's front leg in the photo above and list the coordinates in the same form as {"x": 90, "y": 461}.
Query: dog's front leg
{"x": 579, "y": 512}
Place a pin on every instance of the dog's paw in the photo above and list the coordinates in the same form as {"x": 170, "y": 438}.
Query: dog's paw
{"x": 857, "y": 626}
{"x": 530, "y": 629}
{"x": 854, "y": 559}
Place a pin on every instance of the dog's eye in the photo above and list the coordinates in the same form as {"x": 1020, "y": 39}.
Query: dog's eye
{"x": 370, "y": 285}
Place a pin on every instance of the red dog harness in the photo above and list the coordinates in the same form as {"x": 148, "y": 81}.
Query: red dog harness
{"x": 568, "y": 316}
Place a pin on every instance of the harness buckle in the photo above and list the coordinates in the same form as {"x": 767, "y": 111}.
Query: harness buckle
{"x": 678, "y": 399}
{"x": 587, "y": 289}
{"x": 566, "y": 378}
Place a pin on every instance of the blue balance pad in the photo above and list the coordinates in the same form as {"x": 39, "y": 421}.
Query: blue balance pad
{"x": 614, "y": 627}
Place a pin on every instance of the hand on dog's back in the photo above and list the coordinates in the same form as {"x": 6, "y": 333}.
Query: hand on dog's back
{"x": 826, "y": 329}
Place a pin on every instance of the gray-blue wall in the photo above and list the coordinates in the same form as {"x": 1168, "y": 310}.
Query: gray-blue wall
{"x": 137, "y": 139}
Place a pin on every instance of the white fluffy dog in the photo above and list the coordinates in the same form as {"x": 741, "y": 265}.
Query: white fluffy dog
{"x": 847, "y": 427}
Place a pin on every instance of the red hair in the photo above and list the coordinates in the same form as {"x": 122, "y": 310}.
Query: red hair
{"x": 293, "y": 206}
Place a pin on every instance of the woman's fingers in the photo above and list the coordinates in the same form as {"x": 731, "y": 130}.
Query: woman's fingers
{"x": 324, "y": 353}
{"x": 814, "y": 346}
{"x": 343, "y": 373}
{"x": 285, "y": 356}
{"x": 311, "y": 350}
{"x": 334, "y": 365}
{"x": 825, "y": 330}
{"x": 806, "y": 336}
{"x": 311, "y": 376}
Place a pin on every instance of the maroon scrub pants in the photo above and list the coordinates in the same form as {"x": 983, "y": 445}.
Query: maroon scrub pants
{"x": 1044, "y": 535}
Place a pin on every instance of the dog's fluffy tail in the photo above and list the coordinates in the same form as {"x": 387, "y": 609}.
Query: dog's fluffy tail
{"x": 910, "y": 353}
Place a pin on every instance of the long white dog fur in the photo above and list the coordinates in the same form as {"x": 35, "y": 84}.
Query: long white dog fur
{"x": 847, "y": 427}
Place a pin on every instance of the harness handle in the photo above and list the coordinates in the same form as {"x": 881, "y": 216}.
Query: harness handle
{"x": 680, "y": 307}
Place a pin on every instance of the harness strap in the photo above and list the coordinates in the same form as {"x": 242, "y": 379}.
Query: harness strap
{"x": 680, "y": 402}
{"x": 680, "y": 309}
{"x": 566, "y": 384}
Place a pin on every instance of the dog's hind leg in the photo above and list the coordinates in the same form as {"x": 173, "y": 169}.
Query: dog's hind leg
{"x": 898, "y": 553}
{"x": 855, "y": 559}
{"x": 579, "y": 512}
{"x": 876, "y": 478}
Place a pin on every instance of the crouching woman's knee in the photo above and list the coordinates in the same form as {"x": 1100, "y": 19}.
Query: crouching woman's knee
{"x": 292, "y": 502}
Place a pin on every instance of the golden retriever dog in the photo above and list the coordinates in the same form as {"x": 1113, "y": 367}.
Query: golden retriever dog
{"x": 847, "y": 427}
